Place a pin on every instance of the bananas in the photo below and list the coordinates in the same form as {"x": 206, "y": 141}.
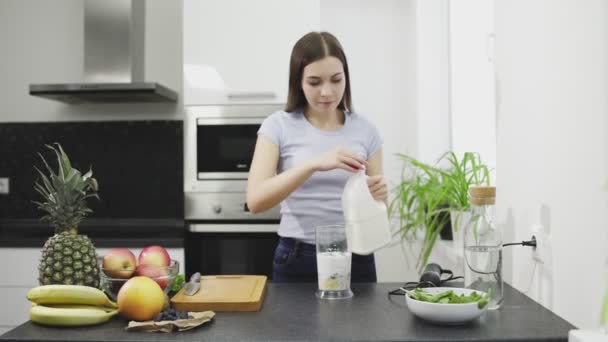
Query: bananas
{"x": 70, "y": 316}
{"x": 70, "y": 305}
{"x": 69, "y": 294}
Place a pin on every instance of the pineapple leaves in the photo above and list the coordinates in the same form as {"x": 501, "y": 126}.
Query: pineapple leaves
{"x": 62, "y": 160}
{"x": 88, "y": 174}
{"x": 64, "y": 192}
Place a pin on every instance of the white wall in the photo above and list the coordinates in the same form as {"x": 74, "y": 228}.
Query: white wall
{"x": 432, "y": 81}
{"x": 42, "y": 42}
{"x": 552, "y": 148}
{"x": 472, "y": 104}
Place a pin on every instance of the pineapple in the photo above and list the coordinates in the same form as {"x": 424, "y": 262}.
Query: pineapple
{"x": 67, "y": 257}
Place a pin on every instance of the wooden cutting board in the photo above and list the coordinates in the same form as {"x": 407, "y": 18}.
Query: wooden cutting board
{"x": 224, "y": 293}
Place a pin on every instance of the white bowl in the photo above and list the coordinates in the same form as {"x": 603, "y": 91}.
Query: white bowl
{"x": 445, "y": 313}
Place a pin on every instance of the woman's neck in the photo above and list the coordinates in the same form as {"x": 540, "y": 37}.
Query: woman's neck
{"x": 325, "y": 121}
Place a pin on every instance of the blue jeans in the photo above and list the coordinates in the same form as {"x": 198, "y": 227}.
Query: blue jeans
{"x": 295, "y": 261}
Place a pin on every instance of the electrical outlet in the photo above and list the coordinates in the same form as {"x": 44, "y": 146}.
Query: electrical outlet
{"x": 4, "y": 190}
{"x": 543, "y": 253}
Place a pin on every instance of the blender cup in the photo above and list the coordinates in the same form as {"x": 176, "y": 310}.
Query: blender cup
{"x": 333, "y": 262}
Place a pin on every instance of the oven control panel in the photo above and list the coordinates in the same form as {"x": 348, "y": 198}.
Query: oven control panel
{"x": 223, "y": 206}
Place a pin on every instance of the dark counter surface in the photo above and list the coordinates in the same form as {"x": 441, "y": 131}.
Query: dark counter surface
{"x": 292, "y": 312}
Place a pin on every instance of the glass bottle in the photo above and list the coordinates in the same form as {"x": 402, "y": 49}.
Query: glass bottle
{"x": 483, "y": 246}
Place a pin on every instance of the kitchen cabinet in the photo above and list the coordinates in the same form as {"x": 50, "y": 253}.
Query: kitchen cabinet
{"x": 19, "y": 273}
{"x": 237, "y": 51}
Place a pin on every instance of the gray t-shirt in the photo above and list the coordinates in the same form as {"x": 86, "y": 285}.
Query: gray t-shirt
{"x": 319, "y": 200}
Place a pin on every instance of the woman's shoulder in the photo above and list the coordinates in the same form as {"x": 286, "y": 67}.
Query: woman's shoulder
{"x": 361, "y": 121}
{"x": 282, "y": 117}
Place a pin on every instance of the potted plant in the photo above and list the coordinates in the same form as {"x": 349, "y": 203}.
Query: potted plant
{"x": 457, "y": 177}
{"x": 427, "y": 194}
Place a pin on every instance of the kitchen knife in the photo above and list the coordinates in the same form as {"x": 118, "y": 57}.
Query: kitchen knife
{"x": 193, "y": 285}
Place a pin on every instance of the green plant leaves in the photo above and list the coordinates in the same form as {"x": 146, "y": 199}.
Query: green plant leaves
{"x": 427, "y": 190}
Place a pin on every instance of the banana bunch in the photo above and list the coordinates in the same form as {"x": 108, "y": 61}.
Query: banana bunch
{"x": 70, "y": 305}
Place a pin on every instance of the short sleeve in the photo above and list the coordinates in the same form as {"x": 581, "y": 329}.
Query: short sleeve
{"x": 271, "y": 128}
{"x": 374, "y": 142}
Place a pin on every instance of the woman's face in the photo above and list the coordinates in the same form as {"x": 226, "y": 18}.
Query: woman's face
{"x": 323, "y": 84}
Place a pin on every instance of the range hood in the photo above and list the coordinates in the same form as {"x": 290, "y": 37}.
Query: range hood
{"x": 114, "y": 61}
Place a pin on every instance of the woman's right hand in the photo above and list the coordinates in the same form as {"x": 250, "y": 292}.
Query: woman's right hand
{"x": 339, "y": 158}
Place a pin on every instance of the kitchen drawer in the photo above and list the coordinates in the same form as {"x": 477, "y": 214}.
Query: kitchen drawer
{"x": 21, "y": 270}
{"x": 15, "y": 306}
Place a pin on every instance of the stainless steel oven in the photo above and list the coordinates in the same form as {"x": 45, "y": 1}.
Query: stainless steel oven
{"x": 223, "y": 236}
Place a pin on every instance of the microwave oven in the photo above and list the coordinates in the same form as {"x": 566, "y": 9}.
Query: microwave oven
{"x": 218, "y": 148}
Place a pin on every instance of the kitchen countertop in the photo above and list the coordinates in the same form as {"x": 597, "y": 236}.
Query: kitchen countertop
{"x": 292, "y": 312}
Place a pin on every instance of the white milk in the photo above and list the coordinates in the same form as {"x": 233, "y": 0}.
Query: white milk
{"x": 333, "y": 269}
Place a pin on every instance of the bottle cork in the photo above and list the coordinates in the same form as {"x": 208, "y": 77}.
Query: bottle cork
{"x": 482, "y": 195}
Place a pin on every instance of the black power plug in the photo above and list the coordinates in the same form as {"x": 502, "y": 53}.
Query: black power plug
{"x": 530, "y": 243}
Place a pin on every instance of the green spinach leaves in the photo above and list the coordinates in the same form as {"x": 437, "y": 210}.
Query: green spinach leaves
{"x": 450, "y": 297}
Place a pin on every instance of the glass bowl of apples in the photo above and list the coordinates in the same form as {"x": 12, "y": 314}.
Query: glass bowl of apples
{"x": 120, "y": 265}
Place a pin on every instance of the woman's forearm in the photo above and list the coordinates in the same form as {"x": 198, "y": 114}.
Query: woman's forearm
{"x": 267, "y": 193}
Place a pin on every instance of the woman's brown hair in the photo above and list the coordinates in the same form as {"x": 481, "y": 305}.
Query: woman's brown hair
{"x": 310, "y": 48}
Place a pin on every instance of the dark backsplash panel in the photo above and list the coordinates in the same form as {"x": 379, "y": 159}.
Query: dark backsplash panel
{"x": 138, "y": 165}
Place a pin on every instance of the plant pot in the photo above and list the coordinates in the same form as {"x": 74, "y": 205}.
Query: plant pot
{"x": 446, "y": 232}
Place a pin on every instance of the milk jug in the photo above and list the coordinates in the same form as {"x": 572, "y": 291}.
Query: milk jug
{"x": 366, "y": 219}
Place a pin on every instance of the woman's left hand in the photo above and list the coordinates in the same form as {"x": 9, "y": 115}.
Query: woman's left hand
{"x": 378, "y": 188}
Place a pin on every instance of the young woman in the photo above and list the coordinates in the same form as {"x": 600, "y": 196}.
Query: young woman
{"x": 305, "y": 154}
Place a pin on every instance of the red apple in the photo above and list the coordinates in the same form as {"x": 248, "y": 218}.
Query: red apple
{"x": 154, "y": 255}
{"x": 119, "y": 263}
{"x": 159, "y": 274}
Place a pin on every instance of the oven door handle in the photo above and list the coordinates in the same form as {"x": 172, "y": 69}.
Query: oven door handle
{"x": 233, "y": 228}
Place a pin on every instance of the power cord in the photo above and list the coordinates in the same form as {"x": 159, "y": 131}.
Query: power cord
{"x": 431, "y": 276}
{"x": 531, "y": 243}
